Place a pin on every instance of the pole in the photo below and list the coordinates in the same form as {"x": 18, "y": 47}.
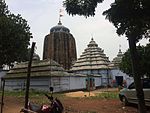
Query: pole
{"x": 28, "y": 76}
{"x": 107, "y": 77}
{"x": 50, "y": 71}
{"x": 89, "y": 84}
{"x": 2, "y": 98}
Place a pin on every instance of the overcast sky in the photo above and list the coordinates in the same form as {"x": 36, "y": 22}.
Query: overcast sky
{"x": 42, "y": 15}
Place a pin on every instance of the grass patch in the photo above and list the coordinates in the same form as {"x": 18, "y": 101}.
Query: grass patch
{"x": 37, "y": 97}
{"x": 106, "y": 95}
{"x": 40, "y": 98}
{"x": 13, "y": 93}
{"x": 32, "y": 93}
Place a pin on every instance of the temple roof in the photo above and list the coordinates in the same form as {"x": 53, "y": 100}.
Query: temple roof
{"x": 59, "y": 28}
{"x": 92, "y": 43}
{"x": 38, "y": 69}
{"x": 36, "y": 56}
{"x": 117, "y": 60}
{"x": 93, "y": 57}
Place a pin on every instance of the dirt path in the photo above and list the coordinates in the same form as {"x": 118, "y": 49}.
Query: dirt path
{"x": 76, "y": 105}
{"x": 96, "y": 106}
{"x": 82, "y": 104}
{"x": 12, "y": 104}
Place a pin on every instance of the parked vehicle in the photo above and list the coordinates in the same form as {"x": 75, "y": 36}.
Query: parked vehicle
{"x": 128, "y": 95}
{"x": 55, "y": 106}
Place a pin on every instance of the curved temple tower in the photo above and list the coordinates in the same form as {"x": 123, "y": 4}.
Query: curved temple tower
{"x": 60, "y": 46}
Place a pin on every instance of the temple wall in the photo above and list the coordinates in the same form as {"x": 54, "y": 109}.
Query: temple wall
{"x": 59, "y": 83}
{"x": 77, "y": 82}
{"x": 103, "y": 76}
{"x": 98, "y": 81}
{"x": 116, "y": 72}
{"x": 2, "y": 73}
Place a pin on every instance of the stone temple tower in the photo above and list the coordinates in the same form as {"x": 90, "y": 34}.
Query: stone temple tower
{"x": 60, "y": 46}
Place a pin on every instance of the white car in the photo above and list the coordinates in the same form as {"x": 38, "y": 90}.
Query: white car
{"x": 128, "y": 95}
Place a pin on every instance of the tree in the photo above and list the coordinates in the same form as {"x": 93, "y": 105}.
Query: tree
{"x": 144, "y": 62}
{"x": 14, "y": 37}
{"x": 81, "y": 7}
{"x": 131, "y": 18}
{"x": 146, "y": 59}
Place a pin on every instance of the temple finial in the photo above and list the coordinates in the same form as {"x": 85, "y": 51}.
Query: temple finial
{"x": 119, "y": 48}
{"x": 92, "y": 37}
{"x": 61, "y": 13}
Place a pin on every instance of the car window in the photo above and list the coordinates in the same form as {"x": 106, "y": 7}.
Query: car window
{"x": 131, "y": 86}
{"x": 146, "y": 84}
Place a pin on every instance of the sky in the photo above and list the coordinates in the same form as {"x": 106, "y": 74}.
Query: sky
{"x": 42, "y": 15}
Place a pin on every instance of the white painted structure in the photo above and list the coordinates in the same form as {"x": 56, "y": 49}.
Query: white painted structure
{"x": 93, "y": 61}
{"x": 118, "y": 77}
{"x": 118, "y": 73}
{"x": 59, "y": 83}
{"x": 2, "y": 73}
{"x": 47, "y": 73}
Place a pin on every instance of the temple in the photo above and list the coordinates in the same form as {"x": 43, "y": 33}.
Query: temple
{"x": 44, "y": 74}
{"x": 60, "y": 46}
{"x": 93, "y": 61}
{"x": 61, "y": 69}
{"x": 116, "y": 61}
{"x": 118, "y": 78}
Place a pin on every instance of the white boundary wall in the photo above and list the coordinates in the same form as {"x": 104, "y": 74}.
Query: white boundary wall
{"x": 59, "y": 83}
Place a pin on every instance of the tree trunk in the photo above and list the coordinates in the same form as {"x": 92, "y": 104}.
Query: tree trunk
{"x": 137, "y": 77}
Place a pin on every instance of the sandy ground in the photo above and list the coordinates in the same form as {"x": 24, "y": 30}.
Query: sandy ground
{"x": 80, "y": 94}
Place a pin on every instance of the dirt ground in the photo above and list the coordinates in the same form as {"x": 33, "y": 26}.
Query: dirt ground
{"x": 82, "y": 104}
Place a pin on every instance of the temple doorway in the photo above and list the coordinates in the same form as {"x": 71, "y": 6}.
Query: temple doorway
{"x": 90, "y": 83}
{"x": 119, "y": 80}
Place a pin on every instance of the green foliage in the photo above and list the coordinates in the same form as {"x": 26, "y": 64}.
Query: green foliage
{"x": 32, "y": 93}
{"x": 147, "y": 59}
{"x": 3, "y": 8}
{"x": 81, "y": 7}
{"x": 22, "y": 93}
{"x": 14, "y": 37}
{"x": 144, "y": 62}
{"x": 126, "y": 65}
{"x": 106, "y": 95}
{"x": 130, "y": 17}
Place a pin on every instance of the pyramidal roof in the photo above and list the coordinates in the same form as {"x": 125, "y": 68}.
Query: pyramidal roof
{"x": 117, "y": 60}
{"x": 93, "y": 58}
{"x": 41, "y": 68}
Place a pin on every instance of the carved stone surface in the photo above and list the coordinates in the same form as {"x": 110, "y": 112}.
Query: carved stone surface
{"x": 60, "y": 46}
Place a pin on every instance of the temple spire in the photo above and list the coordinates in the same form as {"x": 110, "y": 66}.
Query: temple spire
{"x": 92, "y": 37}
{"x": 119, "y": 48}
{"x": 61, "y": 13}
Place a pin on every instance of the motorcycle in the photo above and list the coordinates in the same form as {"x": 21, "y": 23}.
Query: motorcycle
{"x": 54, "y": 107}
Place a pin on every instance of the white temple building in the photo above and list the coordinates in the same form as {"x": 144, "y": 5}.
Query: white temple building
{"x": 93, "y": 61}
{"x": 118, "y": 77}
{"x": 92, "y": 70}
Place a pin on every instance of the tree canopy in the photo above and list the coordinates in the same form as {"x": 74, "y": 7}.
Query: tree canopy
{"x": 130, "y": 17}
{"x": 81, "y": 7}
{"x": 14, "y": 36}
{"x": 144, "y": 62}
